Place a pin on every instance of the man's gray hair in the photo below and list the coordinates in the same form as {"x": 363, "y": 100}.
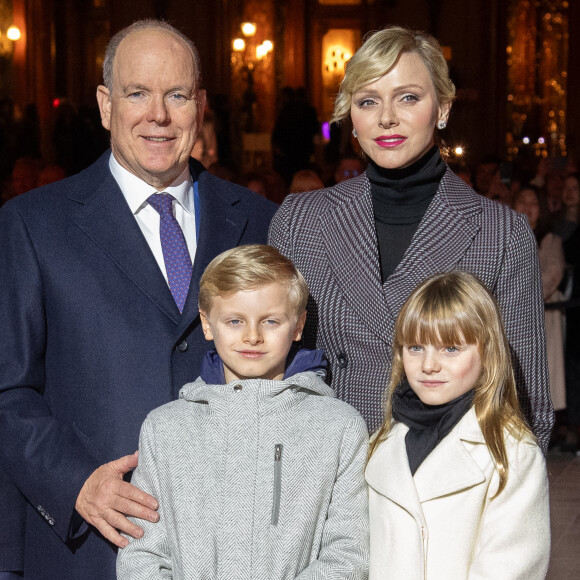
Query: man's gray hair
{"x": 146, "y": 24}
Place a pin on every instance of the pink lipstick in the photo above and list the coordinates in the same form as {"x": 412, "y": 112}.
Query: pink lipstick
{"x": 389, "y": 141}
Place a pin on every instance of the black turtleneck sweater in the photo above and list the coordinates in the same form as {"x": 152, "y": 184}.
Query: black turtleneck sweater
{"x": 400, "y": 199}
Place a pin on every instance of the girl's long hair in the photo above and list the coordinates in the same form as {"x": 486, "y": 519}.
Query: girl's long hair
{"x": 450, "y": 309}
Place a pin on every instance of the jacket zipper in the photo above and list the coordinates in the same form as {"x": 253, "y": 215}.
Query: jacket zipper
{"x": 277, "y": 483}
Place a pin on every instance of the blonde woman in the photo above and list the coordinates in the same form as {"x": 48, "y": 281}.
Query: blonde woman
{"x": 365, "y": 243}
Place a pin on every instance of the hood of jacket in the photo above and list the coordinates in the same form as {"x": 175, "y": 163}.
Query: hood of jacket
{"x": 305, "y": 371}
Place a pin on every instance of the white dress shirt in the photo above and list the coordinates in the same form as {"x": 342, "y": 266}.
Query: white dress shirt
{"x": 136, "y": 192}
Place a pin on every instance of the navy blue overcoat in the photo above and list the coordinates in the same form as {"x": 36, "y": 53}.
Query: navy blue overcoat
{"x": 91, "y": 341}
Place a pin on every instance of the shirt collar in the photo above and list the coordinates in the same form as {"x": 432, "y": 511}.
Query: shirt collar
{"x": 136, "y": 191}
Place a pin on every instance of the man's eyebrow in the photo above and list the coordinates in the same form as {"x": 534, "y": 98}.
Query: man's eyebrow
{"x": 181, "y": 89}
{"x": 131, "y": 88}
{"x": 189, "y": 91}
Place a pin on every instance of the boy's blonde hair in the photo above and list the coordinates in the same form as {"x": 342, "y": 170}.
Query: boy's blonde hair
{"x": 380, "y": 53}
{"x": 449, "y": 309}
{"x": 247, "y": 268}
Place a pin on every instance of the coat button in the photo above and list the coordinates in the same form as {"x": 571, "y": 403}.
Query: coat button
{"x": 182, "y": 346}
{"x": 341, "y": 360}
{"x": 238, "y": 388}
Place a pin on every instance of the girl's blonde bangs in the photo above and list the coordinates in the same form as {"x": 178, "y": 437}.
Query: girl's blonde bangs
{"x": 437, "y": 323}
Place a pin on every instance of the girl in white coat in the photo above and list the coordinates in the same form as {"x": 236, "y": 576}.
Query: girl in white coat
{"x": 457, "y": 484}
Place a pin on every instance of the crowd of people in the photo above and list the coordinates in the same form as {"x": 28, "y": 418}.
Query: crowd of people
{"x": 75, "y": 137}
{"x": 388, "y": 298}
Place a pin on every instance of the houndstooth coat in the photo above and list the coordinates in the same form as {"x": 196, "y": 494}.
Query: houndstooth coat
{"x": 330, "y": 236}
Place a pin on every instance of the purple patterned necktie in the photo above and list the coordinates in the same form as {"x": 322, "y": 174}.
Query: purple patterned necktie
{"x": 175, "y": 253}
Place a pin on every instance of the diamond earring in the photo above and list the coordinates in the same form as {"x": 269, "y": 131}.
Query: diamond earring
{"x": 354, "y": 133}
{"x": 441, "y": 125}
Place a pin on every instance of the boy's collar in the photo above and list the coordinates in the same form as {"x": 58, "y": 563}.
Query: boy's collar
{"x": 212, "y": 369}
{"x": 299, "y": 360}
{"x": 302, "y": 360}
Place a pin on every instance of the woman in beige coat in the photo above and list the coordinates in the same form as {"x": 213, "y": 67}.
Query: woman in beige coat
{"x": 531, "y": 202}
{"x": 457, "y": 484}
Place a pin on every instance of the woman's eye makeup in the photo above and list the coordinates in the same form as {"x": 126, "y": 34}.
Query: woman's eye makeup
{"x": 365, "y": 102}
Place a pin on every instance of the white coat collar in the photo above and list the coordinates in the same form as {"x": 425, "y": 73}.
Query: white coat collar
{"x": 449, "y": 468}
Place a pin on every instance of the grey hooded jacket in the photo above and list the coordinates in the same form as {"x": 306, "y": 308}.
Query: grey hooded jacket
{"x": 256, "y": 480}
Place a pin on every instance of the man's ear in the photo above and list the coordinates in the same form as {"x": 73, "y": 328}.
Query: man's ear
{"x": 206, "y": 326}
{"x": 300, "y": 326}
{"x": 104, "y": 100}
{"x": 201, "y": 98}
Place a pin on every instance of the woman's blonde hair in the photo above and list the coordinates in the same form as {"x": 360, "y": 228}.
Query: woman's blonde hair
{"x": 449, "y": 309}
{"x": 379, "y": 54}
{"x": 247, "y": 268}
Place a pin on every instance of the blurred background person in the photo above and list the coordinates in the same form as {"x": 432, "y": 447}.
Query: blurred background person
{"x": 50, "y": 174}
{"x": 462, "y": 170}
{"x": 305, "y": 180}
{"x": 23, "y": 178}
{"x": 571, "y": 439}
{"x": 348, "y": 167}
{"x": 294, "y": 131}
{"x": 531, "y": 201}
{"x": 205, "y": 149}
{"x": 566, "y": 218}
{"x": 484, "y": 173}
{"x": 255, "y": 181}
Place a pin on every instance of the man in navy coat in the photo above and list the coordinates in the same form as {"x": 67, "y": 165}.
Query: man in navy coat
{"x": 92, "y": 337}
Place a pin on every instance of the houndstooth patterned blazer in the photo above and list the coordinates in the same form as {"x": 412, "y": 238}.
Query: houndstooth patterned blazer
{"x": 330, "y": 236}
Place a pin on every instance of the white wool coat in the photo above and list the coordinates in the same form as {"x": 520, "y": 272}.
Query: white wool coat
{"x": 442, "y": 524}
{"x": 256, "y": 480}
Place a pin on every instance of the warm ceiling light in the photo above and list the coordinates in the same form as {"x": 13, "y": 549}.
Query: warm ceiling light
{"x": 13, "y": 33}
{"x": 239, "y": 44}
{"x": 248, "y": 29}
{"x": 268, "y": 46}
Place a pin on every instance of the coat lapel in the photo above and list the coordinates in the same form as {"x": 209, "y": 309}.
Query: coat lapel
{"x": 388, "y": 472}
{"x": 106, "y": 218}
{"x": 444, "y": 235}
{"x": 450, "y": 468}
{"x": 221, "y": 228}
{"x": 350, "y": 240}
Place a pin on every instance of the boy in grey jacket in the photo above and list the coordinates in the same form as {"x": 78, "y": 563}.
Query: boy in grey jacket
{"x": 258, "y": 469}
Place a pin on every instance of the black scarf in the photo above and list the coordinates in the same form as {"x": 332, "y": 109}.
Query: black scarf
{"x": 428, "y": 424}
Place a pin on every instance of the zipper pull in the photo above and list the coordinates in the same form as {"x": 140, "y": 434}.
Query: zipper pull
{"x": 277, "y": 452}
